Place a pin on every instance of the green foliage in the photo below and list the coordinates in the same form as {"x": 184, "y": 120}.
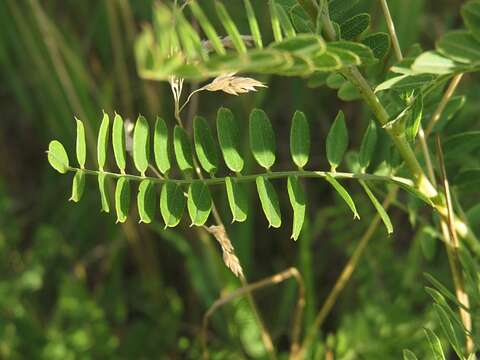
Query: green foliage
{"x": 205, "y": 145}
{"x": 337, "y": 141}
{"x": 161, "y": 146}
{"x": 102, "y": 142}
{"x": 229, "y": 138}
{"x": 300, "y": 139}
{"x": 199, "y": 203}
{"x": 57, "y": 157}
{"x": 141, "y": 145}
{"x": 262, "y": 138}
{"x": 269, "y": 200}
{"x": 118, "y": 141}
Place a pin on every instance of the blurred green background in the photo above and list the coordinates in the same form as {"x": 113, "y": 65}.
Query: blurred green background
{"x": 74, "y": 285}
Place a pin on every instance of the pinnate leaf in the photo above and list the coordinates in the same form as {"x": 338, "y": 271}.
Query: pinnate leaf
{"x": 262, "y": 138}
{"x": 102, "y": 142}
{"x": 146, "y": 201}
{"x": 205, "y": 145}
{"x": 337, "y": 141}
{"x": 122, "y": 199}
{"x": 81, "y": 147}
{"x": 172, "y": 203}
{"x": 300, "y": 139}
{"x": 237, "y": 199}
{"x": 199, "y": 203}
{"x": 297, "y": 200}
{"x": 269, "y": 200}
{"x": 229, "y": 139}
{"x": 183, "y": 149}
{"x": 141, "y": 145}
{"x": 57, "y": 157}
{"x": 160, "y": 146}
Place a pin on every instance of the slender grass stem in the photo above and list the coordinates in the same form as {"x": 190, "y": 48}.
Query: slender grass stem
{"x": 391, "y": 30}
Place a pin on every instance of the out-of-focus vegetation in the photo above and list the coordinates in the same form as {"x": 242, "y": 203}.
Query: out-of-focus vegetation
{"x": 73, "y": 284}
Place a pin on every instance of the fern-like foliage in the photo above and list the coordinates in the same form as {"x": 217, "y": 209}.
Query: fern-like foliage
{"x": 171, "y": 47}
{"x": 194, "y": 193}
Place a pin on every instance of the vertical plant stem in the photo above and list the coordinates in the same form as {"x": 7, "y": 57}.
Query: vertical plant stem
{"x": 453, "y": 246}
{"x": 344, "y": 277}
{"x": 391, "y": 30}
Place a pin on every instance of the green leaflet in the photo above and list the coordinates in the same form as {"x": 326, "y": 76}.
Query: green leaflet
{"x": 285, "y": 22}
{"x": 122, "y": 199}
{"x": 414, "y": 118}
{"x": 118, "y": 141}
{"x": 344, "y": 194}
{"x": 435, "y": 344}
{"x": 102, "y": 142}
{"x": 405, "y": 82}
{"x": 252, "y": 22}
{"x": 237, "y": 199}
{"x": 205, "y": 145}
{"x": 172, "y": 203}
{"x": 262, "y": 138}
{"x": 57, "y": 157}
{"x": 381, "y": 211}
{"x": 297, "y": 200}
{"x": 141, "y": 145}
{"x": 199, "y": 203}
{"x": 277, "y": 31}
{"x": 355, "y": 26}
{"x": 338, "y": 9}
{"x": 364, "y": 55}
{"x": 183, "y": 149}
{"x": 160, "y": 146}
{"x": 448, "y": 329}
{"x": 81, "y": 144}
{"x": 431, "y": 62}
{"x": 335, "y": 81}
{"x": 229, "y": 139}
{"x": 337, "y": 141}
{"x": 207, "y": 27}
{"x": 103, "y": 193}
{"x": 460, "y": 45}
{"x": 269, "y": 200}
{"x": 146, "y": 201}
{"x": 471, "y": 17}
{"x": 230, "y": 27}
{"x": 300, "y": 139}
{"x": 78, "y": 185}
{"x": 348, "y": 92}
{"x": 367, "y": 148}
{"x": 408, "y": 355}
{"x": 379, "y": 43}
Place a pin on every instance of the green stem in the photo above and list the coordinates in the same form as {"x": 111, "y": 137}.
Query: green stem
{"x": 407, "y": 183}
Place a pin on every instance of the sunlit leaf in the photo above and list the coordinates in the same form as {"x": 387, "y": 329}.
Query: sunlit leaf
{"x": 57, "y": 157}
{"x": 78, "y": 185}
{"x": 199, "y": 203}
{"x": 141, "y": 145}
{"x": 160, "y": 146}
{"x": 118, "y": 141}
{"x": 262, "y": 138}
{"x": 297, "y": 200}
{"x": 229, "y": 139}
{"x": 146, "y": 201}
{"x": 367, "y": 149}
{"x": 431, "y": 62}
{"x": 237, "y": 199}
{"x": 102, "y": 142}
{"x": 205, "y": 145}
{"x": 269, "y": 200}
{"x": 122, "y": 199}
{"x": 344, "y": 194}
{"x": 300, "y": 139}
{"x": 103, "y": 192}
{"x": 380, "y": 210}
{"x": 183, "y": 149}
{"x": 81, "y": 147}
{"x": 337, "y": 141}
{"x": 172, "y": 203}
